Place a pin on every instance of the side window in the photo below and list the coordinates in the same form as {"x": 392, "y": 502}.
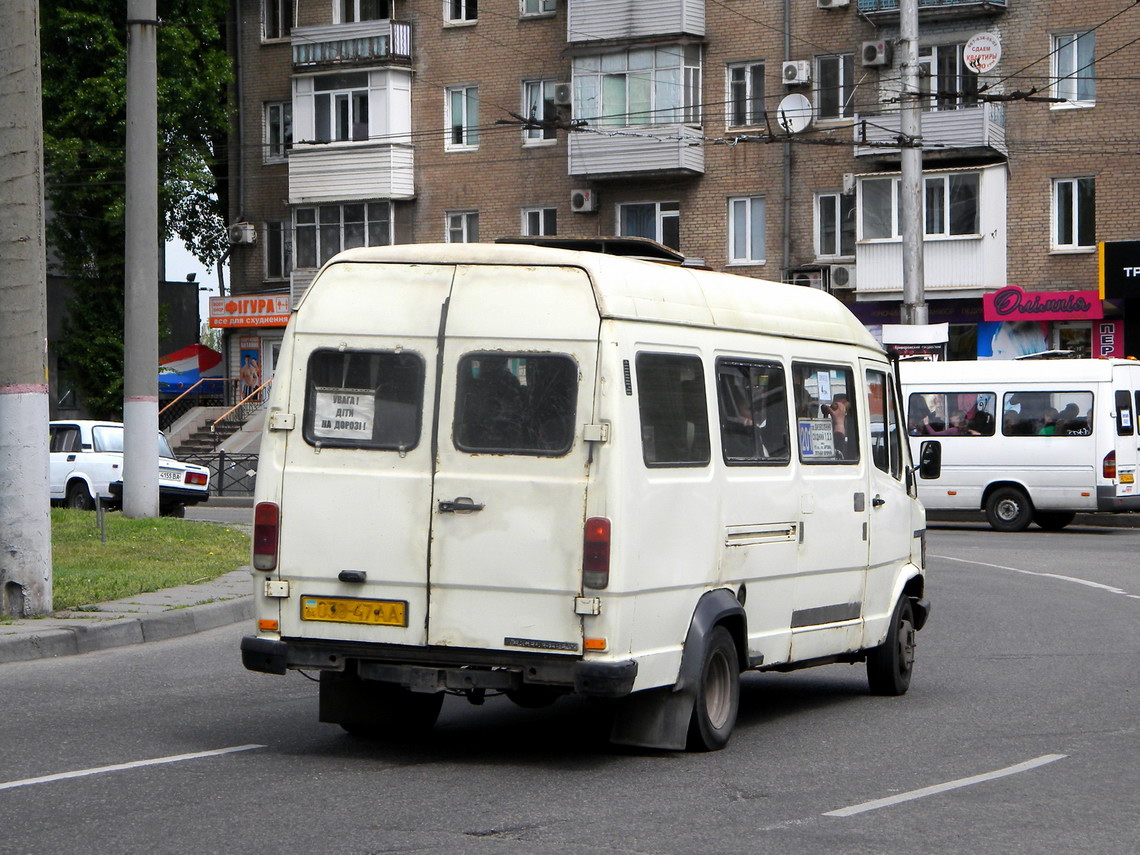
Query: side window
{"x": 674, "y": 412}
{"x": 894, "y": 430}
{"x": 1124, "y": 421}
{"x": 826, "y": 420}
{"x": 516, "y": 403}
{"x": 364, "y": 399}
{"x": 64, "y": 438}
{"x": 1053, "y": 413}
{"x": 877, "y": 418}
{"x": 952, "y": 414}
{"x": 753, "y": 403}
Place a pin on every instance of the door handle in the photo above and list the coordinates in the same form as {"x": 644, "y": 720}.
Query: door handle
{"x": 878, "y": 502}
{"x": 71, "y": 458}
{"x": 459, "y": 506}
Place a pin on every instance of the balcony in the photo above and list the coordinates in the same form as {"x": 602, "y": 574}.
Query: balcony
{"x": 599, "y": 20}
{"x": 637, "y": 151}
{"x": 363, "y": 43}
{"x": 978, "y": 129}
{"x": 932, "y": 10}
{"x": 344, "y": 172}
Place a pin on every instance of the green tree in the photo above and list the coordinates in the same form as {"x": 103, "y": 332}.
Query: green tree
{"x": 83, "y": 43}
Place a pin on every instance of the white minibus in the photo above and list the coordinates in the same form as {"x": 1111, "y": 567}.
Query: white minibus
{"x": 1025, "y": 440}
{"x": 537, "y": 471}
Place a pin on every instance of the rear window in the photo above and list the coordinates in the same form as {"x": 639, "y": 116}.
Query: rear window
{"x": 516, "y": 403}
{"x": 364, "y": 399}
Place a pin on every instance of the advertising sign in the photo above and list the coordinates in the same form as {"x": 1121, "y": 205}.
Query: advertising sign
{"x": 982, "y": 52}
{"x": 261, "y": 310}
{"x": 1119, "y": 269}
{"x": 1108, "y": 339}
{"x": 1014, "y": 304}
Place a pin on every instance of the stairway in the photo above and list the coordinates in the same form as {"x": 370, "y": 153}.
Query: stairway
{"x": 205, "y": 441}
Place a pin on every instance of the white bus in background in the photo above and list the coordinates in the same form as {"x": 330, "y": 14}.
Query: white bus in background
{"x": 1026, "y": 440}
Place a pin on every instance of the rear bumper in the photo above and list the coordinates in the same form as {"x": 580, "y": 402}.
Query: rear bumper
{"x": 1107, "y": 500}
{"x": 442, "y": 669}
{"x": 166, "y": 495}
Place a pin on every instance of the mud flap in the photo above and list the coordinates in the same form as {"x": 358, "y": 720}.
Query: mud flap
{"x": 659, "y": 718}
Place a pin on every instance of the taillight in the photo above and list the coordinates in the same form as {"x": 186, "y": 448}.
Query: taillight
{"x": 596, "y": 553}
{"x": 198, "y": 478}
{"x": 1109, "y": 467}
{"x": 266, "y": 519}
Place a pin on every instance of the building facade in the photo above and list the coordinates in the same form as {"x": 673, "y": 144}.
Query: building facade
{"x": 760, "y": 137}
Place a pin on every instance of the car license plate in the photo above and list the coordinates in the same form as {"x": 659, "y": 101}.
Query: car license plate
{"x": 170, "y": 475}
{"x": 1127, "y": 478}
{"x": 347, "y": 610}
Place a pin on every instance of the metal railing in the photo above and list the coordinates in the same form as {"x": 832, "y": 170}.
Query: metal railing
{"x": 239, "y": 413}
{"x": 231, "y": 474}
{"x": 207, "y": 392}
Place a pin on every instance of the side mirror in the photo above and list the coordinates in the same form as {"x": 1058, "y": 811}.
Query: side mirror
{"x": 930, "y": 460}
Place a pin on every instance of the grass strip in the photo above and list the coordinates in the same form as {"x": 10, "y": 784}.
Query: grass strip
{"x": 138, "y": 556}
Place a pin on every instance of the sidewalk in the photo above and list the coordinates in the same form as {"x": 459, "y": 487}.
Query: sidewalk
{"x": 133, "y": 620}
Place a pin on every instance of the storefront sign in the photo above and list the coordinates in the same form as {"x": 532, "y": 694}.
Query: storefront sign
{"x": 1119, "y": 269}
{"x": 1014, "y": 304}
{"x": 1108, "y": 339}
{"x": 265, "y": 310}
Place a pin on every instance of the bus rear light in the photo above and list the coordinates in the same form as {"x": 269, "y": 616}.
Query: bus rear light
{"x": 596, "y": 553}
{"x": 268, "y": 625}
{"x": 1109, "y": 468}
{"x": 266, "y": 528}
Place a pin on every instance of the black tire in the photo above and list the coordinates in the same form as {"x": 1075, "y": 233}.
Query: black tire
{"x": 78, "y": 497}
{"x": 377, "y": 710}
{"x": 178, "y": 512}
{"x": 1009, "y": 509}
{"x": 1053, "y": 520}
{"x": 890, "y": 665}
{"x": 718, "y": 694}
{"x": 534, "y": 697}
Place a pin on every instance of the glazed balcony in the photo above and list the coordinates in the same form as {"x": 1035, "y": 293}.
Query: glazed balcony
{"x": 931, "y": 10}
{"x": 361, "y": 43}
{"x": 642, "y": 151}
{"x": 978, "y": 129}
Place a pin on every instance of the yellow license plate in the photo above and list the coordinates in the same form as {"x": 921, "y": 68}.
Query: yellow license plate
{"x": 347, "y": 610}
{"x": 1127, "y": 478}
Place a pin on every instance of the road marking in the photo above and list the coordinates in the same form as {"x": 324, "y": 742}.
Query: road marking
{"x": 946, "y": 787}
{"x": 118, "y": 767}
{"x": 1078, "y": 581}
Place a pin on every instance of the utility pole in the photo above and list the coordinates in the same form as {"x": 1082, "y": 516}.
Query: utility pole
{"x": 140, "y": 334}
{"x": 910, "y": 128}
{"x": 25, "y": 521}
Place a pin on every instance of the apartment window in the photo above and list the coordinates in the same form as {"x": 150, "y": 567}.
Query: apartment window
{"x": 462, "y": 117}
{"x": 462, "y": 226}
{"x": 1073, "y": 69}
{"x": 950, "y": 206}
{"x": 835, "y": 224}
{"x": 646, "y": 86}
{"x": 351, "y": 11}
{"x": 276, "y": 19}
{"x": 659, "y": 221}
{"x": 1074, "y": 213}
{"x": 340, "y": 106}
{"x": 538, "y": 103}
{"x": 835, "y": 86}
{"x": 460, "y": 11}
{"x": 746, "y": 230}
{"x": 278, "y": 129}
{"x": 540, "y": 221}
{"x": 944, "y": 79}
{"x": 324, "y": 231}
{"x": 745, "y": 94}
{"x": 539, "y": 7}
{"x": 278, "y": 250}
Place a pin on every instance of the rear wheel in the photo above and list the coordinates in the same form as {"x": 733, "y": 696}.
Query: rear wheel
{"x": 1053, "y": 520}
{"x": 890, "y": 665}
{"x": 78, "y": 497}
{"x": 718, "y": 695}
{"x": 373, "y": 709}
{"x": 1009, "y": 509}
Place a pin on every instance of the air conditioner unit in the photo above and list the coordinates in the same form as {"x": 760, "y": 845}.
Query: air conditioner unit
{"x": 583, "y": 201}
{"x": 797, "y": 72}
{"x": 876, "y": 53}
{"x": 831, "y": 4}
{"x": 809, "y": 279}
{"x": 563, "y": 94}
{"x": 842, "y": 277}
{"x": 848, "y": 183}
{"x": 243, "y": 234}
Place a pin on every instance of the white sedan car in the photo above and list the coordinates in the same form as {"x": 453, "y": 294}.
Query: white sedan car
{"x": 87, "y": 461}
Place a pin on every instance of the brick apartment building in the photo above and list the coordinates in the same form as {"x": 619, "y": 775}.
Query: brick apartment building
{"x": 387, "y": 121}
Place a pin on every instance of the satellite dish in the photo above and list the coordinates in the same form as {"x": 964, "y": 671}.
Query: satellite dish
{"x": 794, "y": 113}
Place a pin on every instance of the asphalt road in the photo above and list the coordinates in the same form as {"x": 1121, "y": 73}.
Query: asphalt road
{"x": 1019, "y": 735}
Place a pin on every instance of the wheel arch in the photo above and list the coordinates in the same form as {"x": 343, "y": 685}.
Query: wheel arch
{"x": 997, "y": 485}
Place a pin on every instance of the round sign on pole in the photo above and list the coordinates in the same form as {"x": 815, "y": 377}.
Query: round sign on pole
{"x": 982, "y": 52}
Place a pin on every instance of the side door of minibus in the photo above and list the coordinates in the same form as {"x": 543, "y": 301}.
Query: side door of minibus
{"x": 828, "y": 593}
{"x": 889, "y": 507}
{"x": 516, "y": 387}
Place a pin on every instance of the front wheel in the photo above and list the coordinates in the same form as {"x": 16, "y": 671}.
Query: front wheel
{"x": 890, "y": 665}
{"x": 718, "y": 695}
{"x": 1008, "y": 509}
